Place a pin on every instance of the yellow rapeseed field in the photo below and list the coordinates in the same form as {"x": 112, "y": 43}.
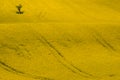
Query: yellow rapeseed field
{"x": 60, "y": 40}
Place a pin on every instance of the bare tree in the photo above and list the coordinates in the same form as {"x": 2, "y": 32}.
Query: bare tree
{"x": 19, "y": 9}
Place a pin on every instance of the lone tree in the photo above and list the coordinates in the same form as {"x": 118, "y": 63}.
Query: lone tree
{"x": 19, "y": 9}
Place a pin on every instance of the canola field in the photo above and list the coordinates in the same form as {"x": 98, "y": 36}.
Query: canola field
{"x": 60, "y": 40}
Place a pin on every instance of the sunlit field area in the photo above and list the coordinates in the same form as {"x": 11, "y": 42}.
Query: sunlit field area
{"x": 59, "y": 40}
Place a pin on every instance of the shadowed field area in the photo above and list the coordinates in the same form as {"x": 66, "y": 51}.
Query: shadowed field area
{"x": 62, "y": 52}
